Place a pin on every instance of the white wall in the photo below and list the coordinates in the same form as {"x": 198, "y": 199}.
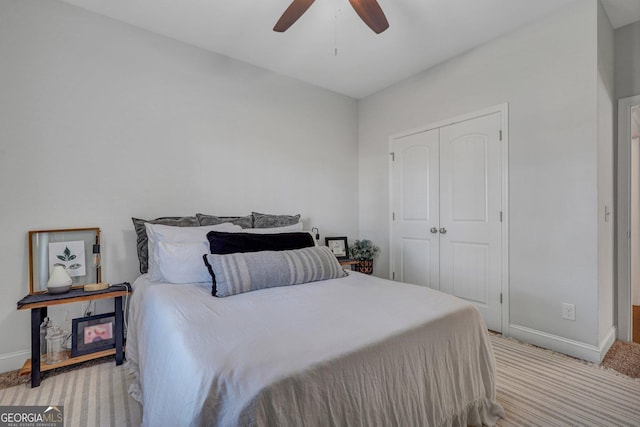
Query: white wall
{"x": 627, "y": 60}
{"x": 100, "y": 121}
{"x": 634, "y": 208}
{"x": 627, "y": 84}
{"x": 548, "y": 74}
{"x": 606, "y": 215}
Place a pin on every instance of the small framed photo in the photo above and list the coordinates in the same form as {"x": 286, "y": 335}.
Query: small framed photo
{"x": 92, "y": 334}
{"x": 338, "y": 246}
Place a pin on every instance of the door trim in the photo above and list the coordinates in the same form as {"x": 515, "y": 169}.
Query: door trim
{"x": 623, "y": 282}
{"x": 503, "y": 109}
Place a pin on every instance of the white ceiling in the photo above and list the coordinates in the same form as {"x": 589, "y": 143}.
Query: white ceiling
{"x": 622, "y": 12}
{"x": 422, "y": 33}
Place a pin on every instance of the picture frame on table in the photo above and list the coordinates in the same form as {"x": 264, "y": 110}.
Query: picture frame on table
{"x": 338, "y": 247}
{"x": 75, "y": 249}
{"x": 93, "y": 334}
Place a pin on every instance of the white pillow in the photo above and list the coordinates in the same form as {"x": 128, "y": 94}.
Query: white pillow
{"x": 182, "y": 262}
{"x": 166, "y": 233}
{"x": 285, "y": 229}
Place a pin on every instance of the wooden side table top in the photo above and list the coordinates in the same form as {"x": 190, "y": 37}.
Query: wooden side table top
{"x": 74, "y": 295}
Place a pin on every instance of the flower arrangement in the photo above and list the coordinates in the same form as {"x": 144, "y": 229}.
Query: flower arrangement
{"x": 364, "y": 251}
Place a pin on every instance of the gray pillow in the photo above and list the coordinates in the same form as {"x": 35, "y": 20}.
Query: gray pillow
{"x": 242, "y": 221}
{"x": 244, "y": 272}
{"x": 261, "y": 220}
{"x": 143, "y": 241}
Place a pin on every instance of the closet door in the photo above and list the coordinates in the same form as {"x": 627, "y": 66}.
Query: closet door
{"x": 414, "y": 201}
{"x": 470, "y": 214}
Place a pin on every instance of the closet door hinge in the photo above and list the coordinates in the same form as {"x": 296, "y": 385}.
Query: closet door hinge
{"x": 500, "y": 216}
{"x": 393, "y": 216}
{"x": 500, "y": 134}
{"x": 393, "y": 156}
{"x": 393, "y": 275}
{"x": 500, "y": 297}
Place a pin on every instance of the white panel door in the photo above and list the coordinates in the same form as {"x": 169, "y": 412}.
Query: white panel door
{"x": 415, "y": 199}
{"x": 470, "y": 214}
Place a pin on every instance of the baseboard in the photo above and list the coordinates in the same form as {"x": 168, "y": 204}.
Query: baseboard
{"x": 560, "y": 344}
{"x": 13, "y": 361}
{"x": 607, "y": 342}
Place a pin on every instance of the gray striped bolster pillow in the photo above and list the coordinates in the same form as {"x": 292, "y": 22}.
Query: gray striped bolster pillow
{"x": 249, "y": 271}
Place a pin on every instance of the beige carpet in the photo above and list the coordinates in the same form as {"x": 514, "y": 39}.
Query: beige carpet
{"x": 536, "y": 387}
{"x": 624, "y": 357}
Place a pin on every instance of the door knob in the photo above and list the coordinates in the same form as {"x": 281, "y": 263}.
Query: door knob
{"x": 443, "y": 230}
{"x": 434, "y": 230}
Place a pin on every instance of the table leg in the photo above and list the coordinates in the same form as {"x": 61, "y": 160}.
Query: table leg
{"x": 119, "y": 330}
{"x": 37, "y": 314}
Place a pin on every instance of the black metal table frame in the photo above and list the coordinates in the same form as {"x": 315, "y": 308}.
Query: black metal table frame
{"x": 37, "y": 314}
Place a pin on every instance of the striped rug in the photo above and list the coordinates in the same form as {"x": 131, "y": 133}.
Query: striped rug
{"x": 94, "y": 396}
{"x": 536, "y": 387}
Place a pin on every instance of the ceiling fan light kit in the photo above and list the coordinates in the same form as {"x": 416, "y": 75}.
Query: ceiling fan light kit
{"x": 368, "y": 10}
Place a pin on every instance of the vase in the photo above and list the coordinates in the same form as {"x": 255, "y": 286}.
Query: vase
{"x": 60, "y": 281}
{"x": 55, "y": 342}
{"x": 365, "y": 267}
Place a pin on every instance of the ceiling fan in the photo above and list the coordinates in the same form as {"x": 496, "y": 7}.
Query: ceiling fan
{"x": 368, "y": 10}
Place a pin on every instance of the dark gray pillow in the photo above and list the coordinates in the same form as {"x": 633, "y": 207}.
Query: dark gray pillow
{"x": 261, "y": 220}
{"x": 143, "y": 240}
{"x": 243, "y": 272}
{"x": 242, "y": 221}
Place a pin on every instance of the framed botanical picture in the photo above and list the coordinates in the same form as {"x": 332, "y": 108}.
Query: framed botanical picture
{"x": 69, "y": 255}
{"x": 77, "y": 250}
{"x": 92, "y": 334}
{"x": 338, "y": 246}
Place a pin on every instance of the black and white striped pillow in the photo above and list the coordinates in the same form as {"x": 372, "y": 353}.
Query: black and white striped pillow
{"x": 244, "y": 272}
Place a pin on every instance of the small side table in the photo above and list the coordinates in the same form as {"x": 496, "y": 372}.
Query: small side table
{"x": 348, "y": 261}
{"x": 38, "y": 304}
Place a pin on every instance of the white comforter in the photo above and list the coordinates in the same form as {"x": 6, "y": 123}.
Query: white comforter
{"x": 356, "y": 351}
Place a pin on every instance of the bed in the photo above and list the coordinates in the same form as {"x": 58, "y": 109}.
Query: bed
{"x": 289, "y": 338}
{"x": 356, "y": 351}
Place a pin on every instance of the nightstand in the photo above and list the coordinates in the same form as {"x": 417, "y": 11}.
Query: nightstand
{"x": 346, "y": 262}
{"x": 38, "y": 304}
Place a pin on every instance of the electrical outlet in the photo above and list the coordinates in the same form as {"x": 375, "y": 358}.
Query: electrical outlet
{"x": 568, "y": 311}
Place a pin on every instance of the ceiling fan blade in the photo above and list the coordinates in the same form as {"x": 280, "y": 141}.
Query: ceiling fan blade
{"x": 371, "y": 13}
{"x": 291, "y": 15}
